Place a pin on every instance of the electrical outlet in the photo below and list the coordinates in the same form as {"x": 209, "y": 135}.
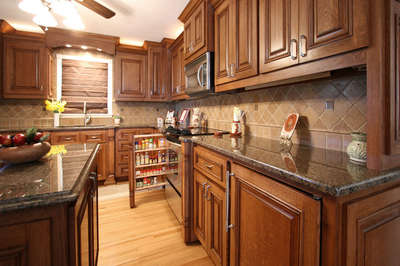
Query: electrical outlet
{"x": 329, "y": 105}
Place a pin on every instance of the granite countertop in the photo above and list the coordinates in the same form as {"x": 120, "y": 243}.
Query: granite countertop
{"x": 90, "y": 127}
{"x": 326, "y": 171}
{"x": 57, "y": 178}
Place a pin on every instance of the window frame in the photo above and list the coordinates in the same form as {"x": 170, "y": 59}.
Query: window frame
{"x": 89, "y": 58}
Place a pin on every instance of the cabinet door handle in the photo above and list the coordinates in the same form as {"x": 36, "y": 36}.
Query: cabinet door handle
{"x": 206, "y": 193}
{"x": 227, "y": 201}
{"x": 204, "y": 188}
{"x": 232, "y": 70}
{"x": 303, "y": 45}
{"x": 209, "y": 166}
{"x": 41, "y": 87}
{"x": 293, "y": 49}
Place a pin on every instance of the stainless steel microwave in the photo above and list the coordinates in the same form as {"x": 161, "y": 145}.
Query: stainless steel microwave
{"x": 199, "y": 75}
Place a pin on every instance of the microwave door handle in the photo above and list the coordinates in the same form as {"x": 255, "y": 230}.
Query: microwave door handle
{"x": 198, "y": 76}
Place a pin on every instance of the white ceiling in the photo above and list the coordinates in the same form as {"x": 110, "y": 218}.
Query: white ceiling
{"x": 135, "y": 20}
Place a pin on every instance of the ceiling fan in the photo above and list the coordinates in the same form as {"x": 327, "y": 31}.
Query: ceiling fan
{"x": 97, "y": 8}
{"x": 44, "y": 9}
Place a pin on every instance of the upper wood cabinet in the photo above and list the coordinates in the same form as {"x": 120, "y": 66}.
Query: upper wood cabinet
{"x": 156, "y": 84}
{"x": 26, "y": 68}
{"x": 198, "y": 34}
{"x": 329, "y": 27}
{"x": 130, "y": 76}
{"x": 177, "y": 67}
{"x": 278, "y": 34}
{"x": 273, "y": 224}
{"x": 236, "y": 49}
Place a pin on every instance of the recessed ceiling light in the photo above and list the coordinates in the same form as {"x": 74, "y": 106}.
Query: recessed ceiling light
{"x": 98, "y": 49}
{"x": 68, "y": 45}
{"x": 84, "y": 47}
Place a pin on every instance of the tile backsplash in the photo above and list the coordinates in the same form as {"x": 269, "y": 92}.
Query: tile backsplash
{"x": 266, "y": 110}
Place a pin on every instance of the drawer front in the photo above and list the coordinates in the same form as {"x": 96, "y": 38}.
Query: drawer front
{"x": 126, "y": 134}
{"x": 124, "y": 146}
{"x": 122, "y": 170}
{"x": 93, "y": 136}
{"x": 211, "y": 164}
{"x": 68, "y": 137}
{"x": 122, "y": 157}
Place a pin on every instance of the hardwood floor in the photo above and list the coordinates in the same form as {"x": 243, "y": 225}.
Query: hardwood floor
{"x": 146, "y": 235}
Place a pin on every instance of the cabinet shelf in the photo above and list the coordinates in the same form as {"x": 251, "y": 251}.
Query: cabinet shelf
{"x": 149, "y": 165}
{"x": 152, "y": 186}
{"x": 157, "y": 149}
{"x": 160, "y": 174}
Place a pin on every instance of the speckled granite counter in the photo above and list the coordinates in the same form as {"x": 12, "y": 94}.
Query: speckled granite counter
{"x": 326, "y": 171}
{"x": 55, "y": 179}
{"x": 90, "y": 127}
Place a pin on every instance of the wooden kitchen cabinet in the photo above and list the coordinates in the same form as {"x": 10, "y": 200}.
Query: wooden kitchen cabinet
{"x": 177, "y": 69}
{"x": 273, "y": 224}
{"x": 26, "y": 67}
{"x": 329, "y": 27}
{"x": 200, "y": 181}
{"x": 130, "y": 75}
{"x": 236, "y": 40}
{"x": 156, "y": 63}
{"x": 279, "y": 22}
{"x": 198, "y": 29}
{"x": 105, "y": 156}
{"x": 298, "y": 31}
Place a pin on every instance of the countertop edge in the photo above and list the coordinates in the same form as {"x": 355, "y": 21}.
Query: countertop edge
{"x": 313, "y": 185}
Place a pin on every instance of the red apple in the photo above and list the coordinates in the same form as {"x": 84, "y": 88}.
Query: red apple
{"x": 7, "y": 140}
{"x": 37, "y": 137}
{"x": 19, "y": 139}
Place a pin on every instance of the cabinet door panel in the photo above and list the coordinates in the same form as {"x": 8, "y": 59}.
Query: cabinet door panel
{"x": 222, "y": 38}
{"x": 199, "y": 34}
{"x": 329, "y": 27}
{"x": 25, "y": 69}
{"x": 283, "y": 222}
{"x": 244, "y": 40}
{"x": 176, "y": 72}
{"x": 84, "y": 254}
{"x": 216, "y": 215}
{"x": 130, "y": 78}
{"x": 199, "y": 207}
{"x": 156, "y": 86}
{"x": 278, "y": 34}
{"x": 188, "y": 37}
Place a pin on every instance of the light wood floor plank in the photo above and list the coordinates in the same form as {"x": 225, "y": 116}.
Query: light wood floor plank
{"x": 148, "y": 235}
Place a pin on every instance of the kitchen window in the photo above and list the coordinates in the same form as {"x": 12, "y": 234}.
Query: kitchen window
{"x": 85, "y": 79}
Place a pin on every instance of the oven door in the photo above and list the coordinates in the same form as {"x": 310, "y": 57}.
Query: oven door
{"x": 173, "y": 190}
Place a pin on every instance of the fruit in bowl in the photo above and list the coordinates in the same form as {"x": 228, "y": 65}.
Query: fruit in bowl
{"x": 23, "y": 148}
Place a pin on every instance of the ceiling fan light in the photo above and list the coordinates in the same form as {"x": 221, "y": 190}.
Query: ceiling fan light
{"x": 64, "y": 8}
{"x": 46, "y": 19}
{"x": 32, "y": 6}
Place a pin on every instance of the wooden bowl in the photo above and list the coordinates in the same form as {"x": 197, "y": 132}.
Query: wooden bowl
{"x": 25, "y": 153}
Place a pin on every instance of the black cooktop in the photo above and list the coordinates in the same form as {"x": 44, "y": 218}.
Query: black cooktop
{"x": 173, "y": 134}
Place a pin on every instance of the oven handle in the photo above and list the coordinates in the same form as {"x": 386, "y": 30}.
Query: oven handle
{"x": 198, "y": 75}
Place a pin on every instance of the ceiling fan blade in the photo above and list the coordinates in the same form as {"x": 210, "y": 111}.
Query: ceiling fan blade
{"x": 96, "y": 7}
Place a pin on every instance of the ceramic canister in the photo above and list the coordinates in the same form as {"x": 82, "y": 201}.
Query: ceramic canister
{"x": 357, "y": 149}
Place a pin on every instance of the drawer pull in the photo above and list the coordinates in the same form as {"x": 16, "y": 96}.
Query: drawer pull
{"x": 68, "y": 138}
{"x": 93, "y": 137}
{"x": 210, "y": 166}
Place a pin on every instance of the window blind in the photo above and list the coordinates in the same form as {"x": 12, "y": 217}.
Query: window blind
{"x": 84, "y": 81}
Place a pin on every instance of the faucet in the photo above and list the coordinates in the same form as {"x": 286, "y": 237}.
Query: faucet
{"x": 86, "y": 117}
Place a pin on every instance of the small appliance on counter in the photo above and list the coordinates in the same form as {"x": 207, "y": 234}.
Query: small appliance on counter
{"x": 237, "y": 124}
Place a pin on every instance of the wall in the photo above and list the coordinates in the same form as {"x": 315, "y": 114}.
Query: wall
{"x": 266, "y": 109}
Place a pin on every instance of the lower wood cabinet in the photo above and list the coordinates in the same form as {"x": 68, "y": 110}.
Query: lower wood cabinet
{"x": 210, "y": 217}
{"x": 273, "y": 224}
{"x": 65, "y": 234}
{"x": 105, "y": 156}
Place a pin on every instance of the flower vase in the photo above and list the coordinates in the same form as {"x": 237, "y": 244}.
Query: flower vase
{"x": 56, "y": 119}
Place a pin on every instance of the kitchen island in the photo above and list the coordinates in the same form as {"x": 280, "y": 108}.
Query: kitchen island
{"x": 251, "y": 197}
{"x": 48, "y": 209}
